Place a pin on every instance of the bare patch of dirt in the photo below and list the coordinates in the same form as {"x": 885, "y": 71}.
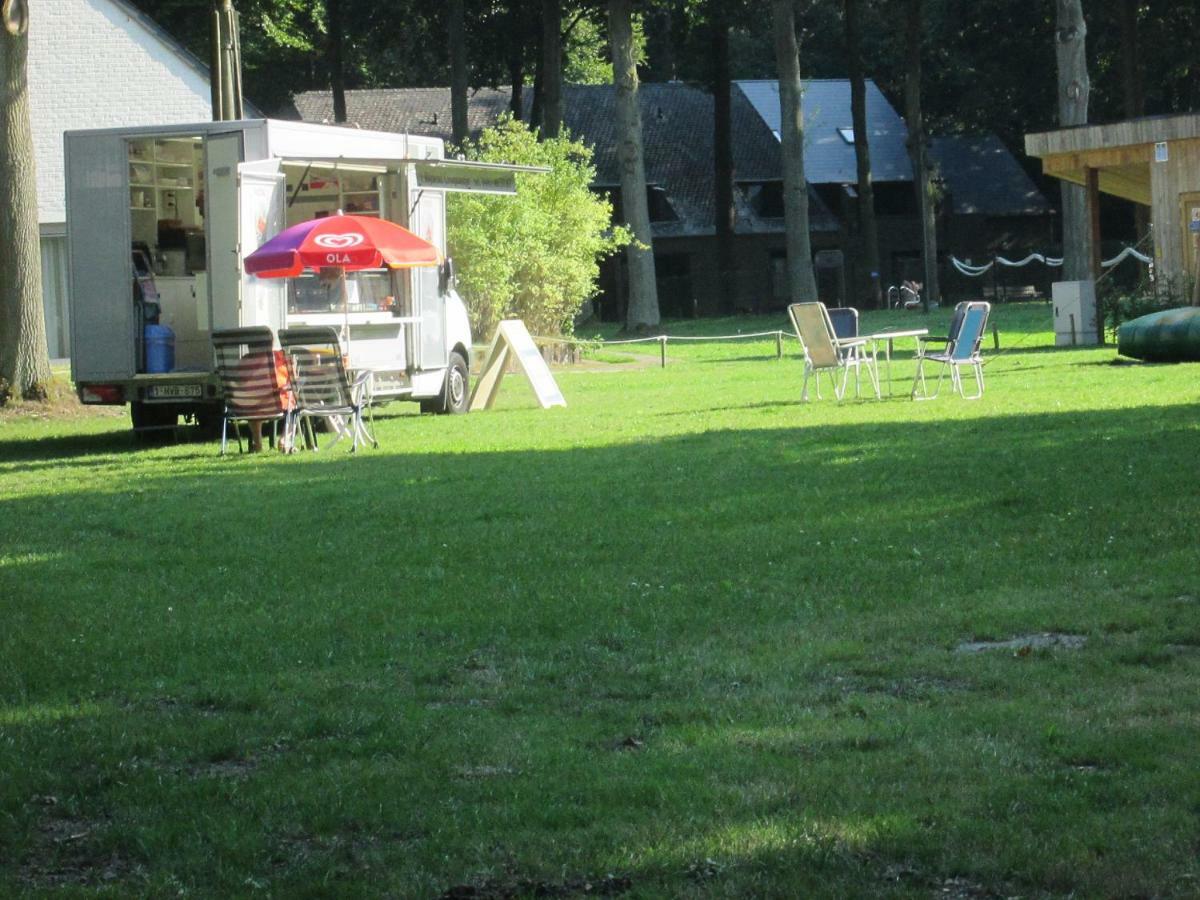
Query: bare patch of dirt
{"x": 225, "y": 768}
{"x": 66, "y": 852}
{"x": 355, "y": 845}
{"x": 506, "y": 889}
{"x": 1024, "y": 644}
{"x": 953, "y": 888}
{"x": 915, "y": 687}
{"x": 474, "y": 772}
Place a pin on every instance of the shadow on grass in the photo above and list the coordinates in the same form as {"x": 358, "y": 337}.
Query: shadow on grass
{"x": 440, "y": 613}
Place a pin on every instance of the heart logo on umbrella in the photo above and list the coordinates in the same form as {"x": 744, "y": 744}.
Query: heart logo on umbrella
{"x": 338, "y": 241}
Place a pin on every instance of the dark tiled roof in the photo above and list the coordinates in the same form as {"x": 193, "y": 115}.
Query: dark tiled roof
{"x": 828, "y": 157}
{"x": 677, "y": 129}
{"x": 677, "y": 138}
{"x": 423, "y": 111}
{"x": 983, "y": 178}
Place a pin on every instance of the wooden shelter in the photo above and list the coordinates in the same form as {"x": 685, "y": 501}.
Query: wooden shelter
{"x": 1151, "y": 161}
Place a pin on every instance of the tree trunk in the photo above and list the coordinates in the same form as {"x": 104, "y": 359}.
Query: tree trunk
{"x": 552, "y": 68}
{"x": 918, "y": 155}
{"x": 24, "y": 358}
{"x": 458, "y": 72}
{"x": 868, "y": 230}
{"x": 1133, "y": 92}
{"x": 660, "y": 43}
{"x": 539, "y": 88}
{"x": 225, "y": 63}
{"x": 1073, "y": 88}
{"x": 337, "y": 63}
{"x": 724, "y": 213}
{"x": 516, "y": 59}
{"x": 643, "y": 293}
{"x": 802, "y": 283}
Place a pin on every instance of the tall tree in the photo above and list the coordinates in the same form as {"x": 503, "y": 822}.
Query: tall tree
{"x": 1133, "y": 94}
{"x": 1073, "y": 90}
{"x": 552, "y": 68}
{"x": 225, "y": 63}
{"x": 867, "y": 228}
{"x": 24, "y": 358}
{"x": 918, "y": 152}
{"x": 458, "y": 71}
{"x": 642, "y": 312}
{"x": 337, "y": 60}
{"x": 516, "y": 57}
{"x": 724, "y": 212}
{"x": 802, "y": 283}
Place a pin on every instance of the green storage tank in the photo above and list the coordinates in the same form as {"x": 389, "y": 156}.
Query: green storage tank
{"x": 1169, "y": 336}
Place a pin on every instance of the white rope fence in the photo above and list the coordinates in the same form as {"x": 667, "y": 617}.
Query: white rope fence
{"x": 662, "y": 339}
{"x": 973, "y": 271}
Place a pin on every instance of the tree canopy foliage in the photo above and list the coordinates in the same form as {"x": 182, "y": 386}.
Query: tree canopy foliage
{"x": 535, "y": 256}
{"x": 978, "y": 76}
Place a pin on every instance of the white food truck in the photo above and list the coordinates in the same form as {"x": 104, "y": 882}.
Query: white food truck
{"x": 159, "y": 220}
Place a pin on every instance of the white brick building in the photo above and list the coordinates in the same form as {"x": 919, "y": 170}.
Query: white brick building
{"x": 98, "y": 64}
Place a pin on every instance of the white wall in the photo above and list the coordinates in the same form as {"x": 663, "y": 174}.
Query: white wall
{"x": 92, "y": 64}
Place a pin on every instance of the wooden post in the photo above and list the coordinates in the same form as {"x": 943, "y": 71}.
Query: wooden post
{"x": 662, "y": 349}
{"x": 779, "y": 345}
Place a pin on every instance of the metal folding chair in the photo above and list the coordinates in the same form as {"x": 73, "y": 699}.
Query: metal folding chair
{"x": 324, "y": 388}
{"x": 962, "y": 350}
{"x": 255, "y": 381}
{"x": 824, "y": 351}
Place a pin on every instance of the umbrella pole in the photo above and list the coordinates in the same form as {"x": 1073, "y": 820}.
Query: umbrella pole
{"x": 345, "y": 314}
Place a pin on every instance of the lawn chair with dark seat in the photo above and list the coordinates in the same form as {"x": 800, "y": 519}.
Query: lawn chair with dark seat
{"x": 324, "y": 388}
{"x": 256, "y": 384}
{"x": 961, "y": 349}
{"x": 824, "y": 351}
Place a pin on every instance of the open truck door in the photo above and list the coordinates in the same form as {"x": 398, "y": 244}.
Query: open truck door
{"x": 262, "y": 193}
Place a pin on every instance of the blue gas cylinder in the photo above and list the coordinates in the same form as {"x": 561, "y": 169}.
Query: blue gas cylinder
{"x": 160, "y": 348}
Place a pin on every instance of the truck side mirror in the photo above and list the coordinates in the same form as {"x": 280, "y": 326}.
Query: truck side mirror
{"x": 446, "y": 276}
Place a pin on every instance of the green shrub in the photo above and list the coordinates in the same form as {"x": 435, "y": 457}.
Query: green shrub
{"x": 1118, "y": 306}
{"x": 535, "y": 256}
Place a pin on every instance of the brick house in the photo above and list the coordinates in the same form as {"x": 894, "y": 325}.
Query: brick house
{"x": 98, "y": 64}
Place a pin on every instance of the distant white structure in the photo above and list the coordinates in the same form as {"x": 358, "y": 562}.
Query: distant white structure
{"x": 98, "y": 64}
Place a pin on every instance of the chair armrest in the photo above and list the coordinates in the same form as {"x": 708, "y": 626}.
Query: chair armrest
{"x": 933, "y": 339}
{"x": 850, "y": 342}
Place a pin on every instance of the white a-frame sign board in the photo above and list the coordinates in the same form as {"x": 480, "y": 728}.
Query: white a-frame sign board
{"x": 512, "y": 337}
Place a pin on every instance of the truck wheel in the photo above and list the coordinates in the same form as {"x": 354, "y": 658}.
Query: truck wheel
{"x": 153, "y": 423}
{"x": 208, "y": 421}
{"x": 455, "y": 389}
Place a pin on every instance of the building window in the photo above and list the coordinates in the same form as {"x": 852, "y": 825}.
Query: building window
{"x": 660, "y": 207}
{"x": 847, "y": 134}
{"x": 766, "y": 199}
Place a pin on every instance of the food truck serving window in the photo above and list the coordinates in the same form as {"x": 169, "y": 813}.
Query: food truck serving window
{"x": 321, "y": 292}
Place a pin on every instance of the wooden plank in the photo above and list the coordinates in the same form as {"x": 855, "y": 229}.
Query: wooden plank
{"x": 1100, "y": 158}
{"x": 1118, "y": 183}
{"x": 513, "y": 338}
{"x": 1093, "y": 213}
{"x": 1118, "y": 134}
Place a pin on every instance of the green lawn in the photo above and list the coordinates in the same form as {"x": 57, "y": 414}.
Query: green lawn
{"x": 686, "y": 637}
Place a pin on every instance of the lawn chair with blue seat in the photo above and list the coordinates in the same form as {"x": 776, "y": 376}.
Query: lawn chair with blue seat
{"x": 961, "y": 350}
{"x": 825, "y": 351}
{"x": 324, "y": 386}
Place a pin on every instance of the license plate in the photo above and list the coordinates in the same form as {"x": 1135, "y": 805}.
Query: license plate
{"x": 175, "y": 391}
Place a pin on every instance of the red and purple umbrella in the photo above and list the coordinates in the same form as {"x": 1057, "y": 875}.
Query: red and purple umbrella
{"x": 345, "y": 242}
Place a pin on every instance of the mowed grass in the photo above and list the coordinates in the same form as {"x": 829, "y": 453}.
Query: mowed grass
{"x": 685, "y": 637}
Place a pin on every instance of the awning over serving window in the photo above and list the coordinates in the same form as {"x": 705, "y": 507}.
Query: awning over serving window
{"x": 453, "y": 175}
